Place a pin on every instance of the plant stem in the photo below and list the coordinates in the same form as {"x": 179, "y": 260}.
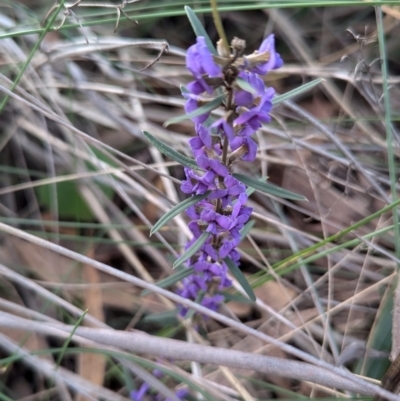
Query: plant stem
{"x": 218, "y": 24}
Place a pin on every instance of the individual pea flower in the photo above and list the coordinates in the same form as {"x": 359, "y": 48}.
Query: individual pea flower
{"x": 138, "y": 395}
{"x": 143, "y": 391}
{"x": 272, "y": 59}
{"x": 199, "y": 62}
{"x": 217, "y": 146}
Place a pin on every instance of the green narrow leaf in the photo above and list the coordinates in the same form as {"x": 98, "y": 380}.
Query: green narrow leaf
{"x": 171, "y": 153}
{"x": 380, "y": 337}
{"x": 163, "y": 318}
{"x": 184, "y": 90}
{"x": 69, "y": 339}
{"x": 250, "y": 190}
{"x": 198, "y": 29}
{"x": 192, "y": 250}
{"x": 267, "y": 188}
{"x": 190, "y": 313}
{"x": 246, "y": 229}
{"x": 206, "y": 108}
{"x": 235, "y": 297}
{"x": 32, "y": 53}
{"x": 295, "y": 92}
{"x": 237, "y": 273}
{"x": 171, "y": 280}
{"x": 246, "y": 86}
{"x": 180, "y": 207}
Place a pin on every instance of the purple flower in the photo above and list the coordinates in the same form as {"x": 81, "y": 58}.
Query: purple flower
{"x": 274, "y": 61}
{"x": 200, "y": 62}
{"x": 200, "y": 143}
{"x": 227, "y": 246}
{"x": 137, "y": 395}
{"x": 244, "y": 98}
{"x": 181, "y": 393}
{"x": 225, "y": 127}
{"x": 213, "y": 169}
{"x": 251, "y": 146}
{"x": 190, "y": 106}
{"x": 213, "y": 302}
{"x": 193, "y": 184}
{"x": 210, "y": 251}
{"x": 204, "y": 266}
{"x": 191, "y": 212}
{"x": 192, "y": 285}
{"x": 240, "y": 214}
{"x": 195, "y": 88}
{"x": 217, "y": 223}
{"x": 260, "y": 113}
{"x": 247, "y": 130}
{"x": 234, "y": 255}
{"x": 234, "y": 186}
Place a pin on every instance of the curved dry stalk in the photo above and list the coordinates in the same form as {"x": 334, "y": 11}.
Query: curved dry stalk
{"x": 142, "y": 343}
{"x": 74, "y": 50}
{"x": 199, "y": 308}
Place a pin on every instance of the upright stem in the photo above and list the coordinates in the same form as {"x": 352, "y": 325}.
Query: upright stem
{"x": 225, "y": 151}
{"x": 218, "y": 24}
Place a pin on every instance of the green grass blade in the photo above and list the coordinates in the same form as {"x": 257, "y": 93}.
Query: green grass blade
{"x": 68, "y": 340}
{"x": 250, "y": 190}
{"x": 298, "y": 91}
{"x": 291, "y": 262}
{"x": 176, "y": 210}
{"x": 237, "y": 273}
{"x": 171, "y": 153}
{"x": 246, "y": 229}
{"x": 171, "y": 280}
{"x": 206, "y": 108}
{"x": 267, "y": 188}
{"x": 199, "y": 29}
{"x": 242, "y": 84}
{"x": 32, "y": 53}
{"x": 192, "y": 250}
{"x": 235, "y": 297}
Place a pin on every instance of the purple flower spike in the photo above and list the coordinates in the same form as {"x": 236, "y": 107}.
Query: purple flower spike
{"x": 216, "y": 148}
